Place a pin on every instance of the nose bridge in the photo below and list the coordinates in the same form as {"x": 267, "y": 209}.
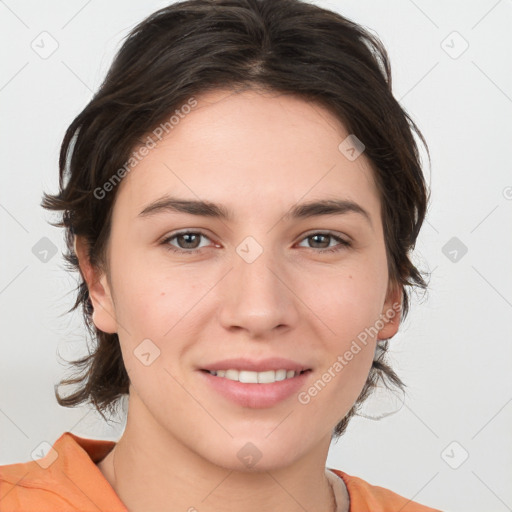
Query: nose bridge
{"x": 256, "y": 298}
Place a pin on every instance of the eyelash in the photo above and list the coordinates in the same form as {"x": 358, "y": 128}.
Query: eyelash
{"x": 342, "y": 242}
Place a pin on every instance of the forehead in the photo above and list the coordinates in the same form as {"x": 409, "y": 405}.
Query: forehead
{"x": 251, "y": 149}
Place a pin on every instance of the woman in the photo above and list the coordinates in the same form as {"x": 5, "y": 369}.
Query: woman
{"x": 240, "y": 198}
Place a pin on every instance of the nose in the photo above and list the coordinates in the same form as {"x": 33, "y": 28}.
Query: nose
{"x": 258, "y": 297}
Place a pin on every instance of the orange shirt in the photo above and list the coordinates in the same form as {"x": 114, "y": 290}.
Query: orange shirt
{"x": 67, "y": 479}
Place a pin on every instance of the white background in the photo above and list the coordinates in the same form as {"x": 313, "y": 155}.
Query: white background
{"x": 454, "y": 350}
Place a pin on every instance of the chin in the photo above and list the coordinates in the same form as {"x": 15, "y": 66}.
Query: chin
{"x": 251, "y": 453}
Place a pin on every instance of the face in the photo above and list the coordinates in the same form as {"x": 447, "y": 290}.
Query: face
{"x": 189, "y": 288}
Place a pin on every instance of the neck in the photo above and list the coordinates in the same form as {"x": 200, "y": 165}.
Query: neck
{"x": 157, "y": 472}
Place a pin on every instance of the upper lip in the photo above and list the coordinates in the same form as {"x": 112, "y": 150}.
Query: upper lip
{"x": 242, "y": 363}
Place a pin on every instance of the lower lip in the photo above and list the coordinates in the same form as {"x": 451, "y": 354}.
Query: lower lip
{"x": 256, "y": 396}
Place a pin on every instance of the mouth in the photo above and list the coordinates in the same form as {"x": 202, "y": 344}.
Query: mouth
{"x": 251, "y": 377}
{"x": 255, "y": 383}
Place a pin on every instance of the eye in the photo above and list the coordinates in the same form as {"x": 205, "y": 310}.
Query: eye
{"x": 321, "y": 237}
{"x": 187, "y": 242}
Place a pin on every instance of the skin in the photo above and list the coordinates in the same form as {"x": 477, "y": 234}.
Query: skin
{"x": 258, "y": 154}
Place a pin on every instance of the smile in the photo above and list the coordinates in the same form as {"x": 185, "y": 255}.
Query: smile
{"x": 256, "y": 390}
{"x": 249, "y": 377}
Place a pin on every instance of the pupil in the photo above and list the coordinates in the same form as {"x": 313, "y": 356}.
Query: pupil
{"x": 317, "y": 236}
{"x": 187, "y": 237}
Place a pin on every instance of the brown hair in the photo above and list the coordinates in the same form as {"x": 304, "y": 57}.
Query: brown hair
{"x": 191, "y": 47}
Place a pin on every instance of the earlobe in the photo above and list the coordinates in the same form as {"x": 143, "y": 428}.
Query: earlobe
{"x": 391, "y": 312}
{"x": 103, "y": 314}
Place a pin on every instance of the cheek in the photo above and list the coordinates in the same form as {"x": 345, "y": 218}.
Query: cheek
{"x": 347, "y": 302}
{"x": 348, "y": 307}
{"x": 154, "y": 310}
{"x": 151, "y": 298}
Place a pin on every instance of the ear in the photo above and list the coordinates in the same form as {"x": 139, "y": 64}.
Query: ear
{"x": 103, "y": 315}
{"x": 391, "y": 311}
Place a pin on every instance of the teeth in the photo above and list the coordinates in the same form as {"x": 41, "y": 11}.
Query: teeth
{"x": 281, "y": 374}
{"x": 266, "y": 377}
{"x": 231, "y": 374}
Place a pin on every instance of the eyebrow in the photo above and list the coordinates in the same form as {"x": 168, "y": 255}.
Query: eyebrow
{"x": 168, "y": 204}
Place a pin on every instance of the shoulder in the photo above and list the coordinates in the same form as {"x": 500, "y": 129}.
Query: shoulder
{"x": 26, "y": 486}
{"x": 365, "y": 496}
{"x": 65, "y": 478}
